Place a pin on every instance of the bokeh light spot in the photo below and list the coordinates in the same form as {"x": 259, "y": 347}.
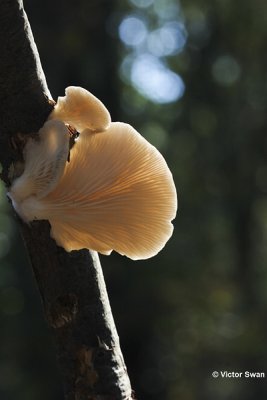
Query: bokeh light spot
{"x": 226, "y": 70}
{"x": 132, "y": 31}
{"x": 166, "y": 9}
{"x": 167, "y": 40}
{"x": 155, "y": 81}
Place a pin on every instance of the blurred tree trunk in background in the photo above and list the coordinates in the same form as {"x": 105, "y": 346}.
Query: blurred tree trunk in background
{"x": 82, "y": 52}
{"x": 225, "y": 124}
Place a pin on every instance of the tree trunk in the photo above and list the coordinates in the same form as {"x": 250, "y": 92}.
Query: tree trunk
{"x": 71, "y": 285}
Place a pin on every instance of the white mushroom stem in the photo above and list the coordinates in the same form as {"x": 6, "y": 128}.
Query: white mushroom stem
{"x": 116, "y": 193}
{"x": 82, "y": 110}
{"x": 45, "y": 158}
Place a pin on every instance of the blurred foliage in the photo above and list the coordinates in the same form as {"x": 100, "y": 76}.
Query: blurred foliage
{"x": 192, "y": 77}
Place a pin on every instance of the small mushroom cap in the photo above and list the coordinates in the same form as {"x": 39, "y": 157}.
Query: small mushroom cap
{"x": 82, "y": 110}
{"x": 45, "y": 158}
{"x": 116, "y": 193}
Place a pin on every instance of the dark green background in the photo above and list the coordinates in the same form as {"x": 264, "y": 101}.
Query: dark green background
{"x": 200, "y": 305}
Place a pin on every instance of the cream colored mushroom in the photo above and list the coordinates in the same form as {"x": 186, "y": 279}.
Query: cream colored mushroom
{"x": 82, "y": 110}
{"x": 116, "y": 193}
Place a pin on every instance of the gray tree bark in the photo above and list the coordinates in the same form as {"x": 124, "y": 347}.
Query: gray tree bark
{"x": 71, "y": 285}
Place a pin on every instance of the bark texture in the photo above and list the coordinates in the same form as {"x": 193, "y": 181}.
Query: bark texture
{"x": 71, "y": 285}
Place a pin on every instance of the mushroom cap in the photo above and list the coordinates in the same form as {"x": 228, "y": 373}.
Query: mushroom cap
{"x": 116, "y": 193}
{"x": 82, "y": 110}
{"x": 45, "y": 158}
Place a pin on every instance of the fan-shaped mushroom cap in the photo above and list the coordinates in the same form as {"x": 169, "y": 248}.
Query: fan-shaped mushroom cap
{"x": 82, "y": 110}
{"x": 45, "y": 158}
{"x": 116, "y": 193}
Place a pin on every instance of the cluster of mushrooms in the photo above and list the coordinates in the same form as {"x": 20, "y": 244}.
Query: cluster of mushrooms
{"x": 111, "y": 191}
